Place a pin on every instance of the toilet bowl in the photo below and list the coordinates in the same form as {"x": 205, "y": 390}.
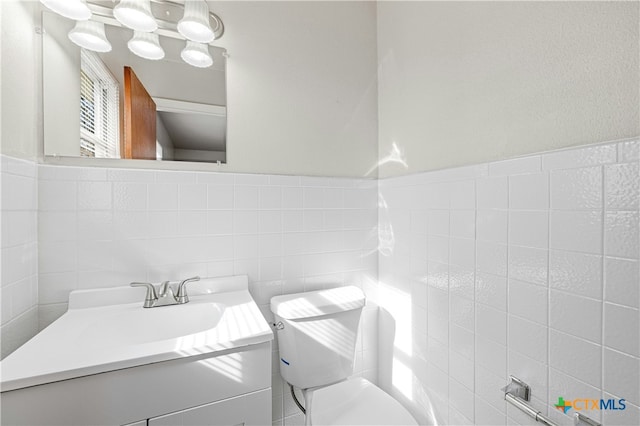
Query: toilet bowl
{"x": 317, "y": 333}
{"x": 355, "y": 401}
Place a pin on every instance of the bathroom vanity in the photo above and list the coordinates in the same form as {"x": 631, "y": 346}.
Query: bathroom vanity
{"x": 110, "y": 361}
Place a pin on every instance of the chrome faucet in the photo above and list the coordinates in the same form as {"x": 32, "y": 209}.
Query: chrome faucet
{"x": 165, "y": 295}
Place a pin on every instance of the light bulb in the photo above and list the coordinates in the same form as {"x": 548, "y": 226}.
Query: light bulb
{"x": 136, "y": 14}
{"x": 72, "y": 9}
{"x": 146, "y": 45}
{"x": 196, "y": 54}
{"x": 90, "y": 35}
{"x": 194, "y": 24}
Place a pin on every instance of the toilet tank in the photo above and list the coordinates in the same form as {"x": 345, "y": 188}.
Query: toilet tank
{"x": 317, "y": 333}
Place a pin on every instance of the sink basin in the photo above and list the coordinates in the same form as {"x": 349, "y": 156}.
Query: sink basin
{"x": 131, "y": 324}
{"x": 108, "y": 329}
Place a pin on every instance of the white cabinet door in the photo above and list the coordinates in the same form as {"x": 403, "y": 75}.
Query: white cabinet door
{"x": 249, "y": 409}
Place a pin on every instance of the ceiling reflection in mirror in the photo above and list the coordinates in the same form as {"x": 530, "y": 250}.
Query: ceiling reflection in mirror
{"x": 94, "y": 108}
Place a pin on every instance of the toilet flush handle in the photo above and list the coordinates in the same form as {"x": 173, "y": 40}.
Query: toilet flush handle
{"x": 279, "y": 325}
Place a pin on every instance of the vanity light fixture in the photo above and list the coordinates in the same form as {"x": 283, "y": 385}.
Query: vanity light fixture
{"x": 136, "y": 14}
{"x": 194, "y": 25}
{"x": 196, "y": 54}
{"x": 146, "y": 45}
{"x": 72, "y": 9}
{"x": 90, "y": 35}
{"x": 149, "y": 19}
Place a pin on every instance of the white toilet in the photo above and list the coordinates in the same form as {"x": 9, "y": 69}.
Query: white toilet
{"x": 317, "y": 333}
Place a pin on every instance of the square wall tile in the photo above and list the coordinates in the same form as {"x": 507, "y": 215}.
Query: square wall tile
{"x": 529, "y": 228}
{"x": 622, "y": 329}
{"x": 52, "y": 225}
{"x": 491, "y": 323}
{"x": 621, "y": 278}
{"x": 491, "y": 225}
{"x": 629, "y": 151}
{"x": 270, "y": 197}
{"x": 529, "y": 192}
{"x": 163, "y": 196}
{"x": 491, "y": 356}
{"x": 461, "y": 341}
{"x": 622, "y": 186}
{"x": 528, "y": 264}
{"x": 438, "y": 314}
{"x": 577, "y": 189}
{"x": 576, "y": 357}
{"x": 576, "y": 315}
{"x": 487, "y": 415}
{"x": 621, "y": 235}
{"x": 438, "y": 249}
{"x": 463, "y": 223}
{"x": 577, "y": 273}
{"x": 438, "y": 222}
{"x": 461, "y": 312}
{"x": 220, "y": 197}
{"x": 529, "y": 301}
{"x": 491, "y": 258}
{"x": 488, "y": 386}
{"x": 621, "y": 374}
{"x": 462, "y": 252}
{"x": 491, "y": 290}
{"x": 245, "y": 197}
{"x": 463, "y": 195}
{"x": 576, "y": 231}
{"x": 492, "y": 193}
{"x": 52, "y": 195}
{"x": 528, "y": 338}
{"x": 460, "y": 397}
{"x": 461, "y": 281}
{"x": 130, "y": 196}
{"x": 192, "y": 197}
{"x": 292, "y": 198}
{"x": 461, "y": 370}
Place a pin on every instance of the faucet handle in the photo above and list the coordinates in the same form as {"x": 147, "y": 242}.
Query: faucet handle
{"x": 181, "y": 296}
{"x": 151, "y": 296}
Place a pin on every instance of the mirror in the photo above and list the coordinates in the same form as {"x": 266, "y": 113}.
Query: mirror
{"x": 91, "y": 109}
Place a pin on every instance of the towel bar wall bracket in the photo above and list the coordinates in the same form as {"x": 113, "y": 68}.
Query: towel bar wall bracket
{"x": 518, "y": 394}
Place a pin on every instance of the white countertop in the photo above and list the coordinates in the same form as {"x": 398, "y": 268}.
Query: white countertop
{"x": 93, "y": 337}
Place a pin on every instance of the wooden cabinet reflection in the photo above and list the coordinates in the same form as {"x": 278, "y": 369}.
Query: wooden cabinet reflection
{"x": 139, "y": 141}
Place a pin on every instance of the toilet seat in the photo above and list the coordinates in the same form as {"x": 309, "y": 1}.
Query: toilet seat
{"x": 355, "y": 402}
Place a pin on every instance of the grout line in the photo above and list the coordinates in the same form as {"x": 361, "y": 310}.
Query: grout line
{"x": 602, "y": 276}
{"x": 548, "y": 360}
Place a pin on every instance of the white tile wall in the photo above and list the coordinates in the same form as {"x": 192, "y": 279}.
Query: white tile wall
{"x": 527, "y": 267}
{"x": 19, "y": 252}
{"x": 108, "y": 227}
{"x": 554, "y": 283}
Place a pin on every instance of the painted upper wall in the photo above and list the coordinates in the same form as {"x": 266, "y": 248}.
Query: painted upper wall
{"x": 301, "y": 86}
{"x": 469, "y": 82}
{"x": 19, "y": 79}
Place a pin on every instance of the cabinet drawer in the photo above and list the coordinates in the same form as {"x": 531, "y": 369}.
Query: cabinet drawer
{"x": 250, "y": 409}
{"x": 132, "y": 394}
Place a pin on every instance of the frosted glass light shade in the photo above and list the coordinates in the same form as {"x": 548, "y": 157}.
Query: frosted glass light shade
{"x": 194, "y": 24}
{"x": 90, "y": 35}
{"x": 196, "y": 54}
{"x": 146, "y": 45}
{"x": 136, "y": 14}
{"x": 72, "y": 9}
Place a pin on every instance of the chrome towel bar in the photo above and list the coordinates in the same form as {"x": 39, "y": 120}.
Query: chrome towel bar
{"x": 518, "y": 393}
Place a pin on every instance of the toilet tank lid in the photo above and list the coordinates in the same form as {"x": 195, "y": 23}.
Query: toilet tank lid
{"x": 317, "y": 303}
